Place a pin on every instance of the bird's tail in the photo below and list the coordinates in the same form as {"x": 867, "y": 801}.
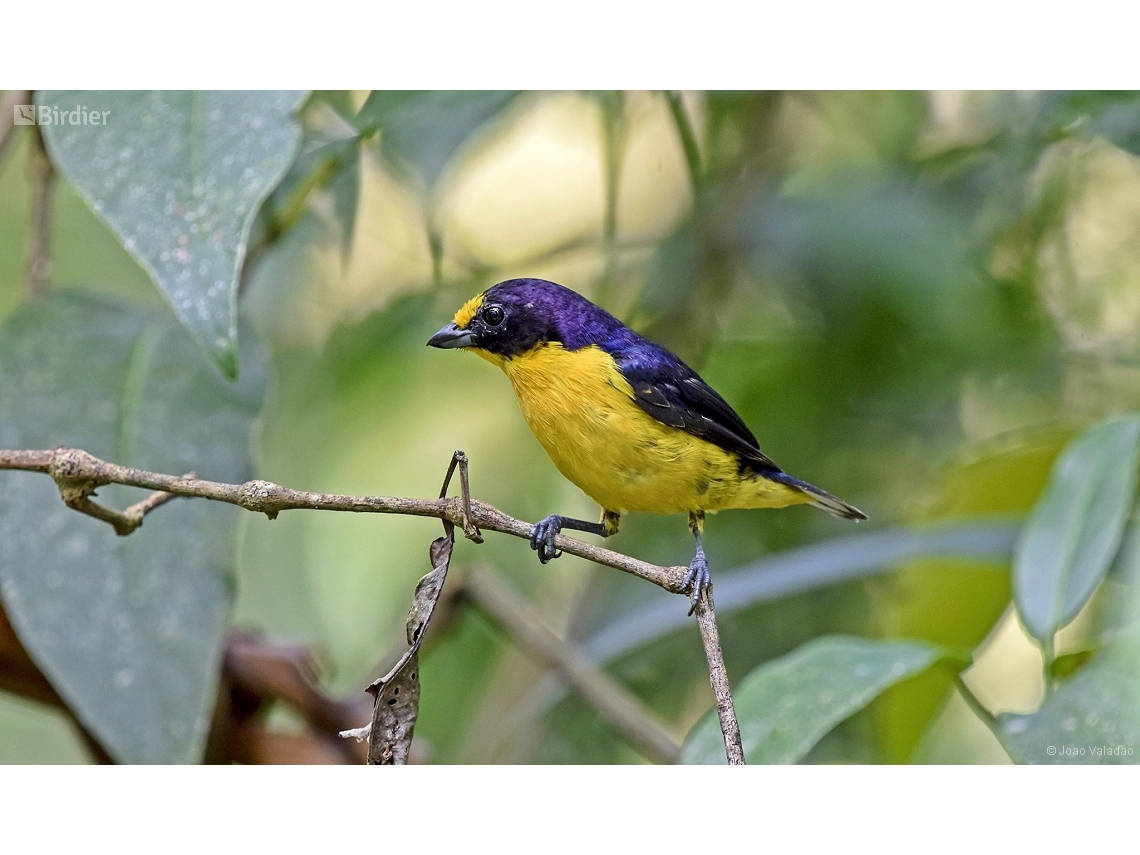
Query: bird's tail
{"x": 820, "y": 498}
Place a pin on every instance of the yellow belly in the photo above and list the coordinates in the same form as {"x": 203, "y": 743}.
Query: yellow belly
{"x": 583, "y": 413}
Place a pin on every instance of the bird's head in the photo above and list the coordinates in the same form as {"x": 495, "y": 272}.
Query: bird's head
{"x": 515, "y": 316}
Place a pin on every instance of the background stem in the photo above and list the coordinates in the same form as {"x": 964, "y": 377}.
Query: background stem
{"x": 41, "y": 181}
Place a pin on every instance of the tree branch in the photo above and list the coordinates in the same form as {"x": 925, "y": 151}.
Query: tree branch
{"x": 616, "y": 704}
{"x": 257, "y": 674}
{"x": 78, "y": 475}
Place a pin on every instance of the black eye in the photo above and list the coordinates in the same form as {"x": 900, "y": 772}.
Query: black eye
{"x": 493, "y": 315}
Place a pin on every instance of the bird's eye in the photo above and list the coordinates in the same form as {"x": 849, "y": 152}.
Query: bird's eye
{"x": 493, "y": 315}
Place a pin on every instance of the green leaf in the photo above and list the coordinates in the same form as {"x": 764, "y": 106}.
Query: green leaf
{"x": 128, "y": 629}
{"x": 179, "y": 177}
{"x": 345, "y": 189}
{"x": 1093, "y": 717}
{"x": 1075, "y": 528}
{"x": 421, "y": 131}
{"x": 786, "y": 706}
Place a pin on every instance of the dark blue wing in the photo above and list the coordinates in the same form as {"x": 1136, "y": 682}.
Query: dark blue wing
{"x": 673, "y": 393}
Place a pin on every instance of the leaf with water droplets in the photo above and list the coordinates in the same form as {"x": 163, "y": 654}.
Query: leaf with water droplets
{"x": 1075, "y": 529}
{"x": 129, "y": 630}
{"x": 786, "y": 706}
{"x": 1092, "y": 717}
{"x": 179, "y": 177}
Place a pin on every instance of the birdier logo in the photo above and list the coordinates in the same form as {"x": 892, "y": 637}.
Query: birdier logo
{"x": 31, "y": 114}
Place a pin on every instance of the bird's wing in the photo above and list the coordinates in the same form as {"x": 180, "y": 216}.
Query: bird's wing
{"x": 675, "y": 395}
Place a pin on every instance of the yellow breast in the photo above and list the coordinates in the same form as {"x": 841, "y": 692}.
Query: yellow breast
{"x": 583, "y": 412}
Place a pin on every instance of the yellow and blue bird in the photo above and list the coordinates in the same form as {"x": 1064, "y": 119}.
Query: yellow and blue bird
{"x": 621, "y": 417}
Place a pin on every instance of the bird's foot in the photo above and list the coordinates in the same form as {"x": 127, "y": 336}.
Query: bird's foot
{"x": 542, "y": 537}
{"x": 697, "y": 580}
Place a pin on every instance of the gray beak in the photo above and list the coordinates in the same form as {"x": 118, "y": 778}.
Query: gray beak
{"x": 452, "y": 336}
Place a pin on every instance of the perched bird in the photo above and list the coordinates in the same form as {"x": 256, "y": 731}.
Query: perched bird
{"x": 621, "y": 417}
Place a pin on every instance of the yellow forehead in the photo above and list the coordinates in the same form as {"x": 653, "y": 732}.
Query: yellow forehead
{"x": 467, "y": 312}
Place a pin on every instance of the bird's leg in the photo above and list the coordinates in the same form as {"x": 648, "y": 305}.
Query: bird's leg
{"x": 697, "y": 580}
{"x": 544, "y": 532}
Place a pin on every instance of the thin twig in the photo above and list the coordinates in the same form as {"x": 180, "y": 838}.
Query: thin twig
{"x": 135, "y": 513}
{"x": 41, "y": 180}
{"x": 470, "y": 530}
{"x": 616, "y": 704}
{"x": 718, "y": 677}
{"x": 12, "y": 98}
{"x": 124, "y": 522}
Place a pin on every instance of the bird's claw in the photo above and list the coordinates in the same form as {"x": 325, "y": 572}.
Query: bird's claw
{"x": 696, "y": 581}
{"x": 542, "y": 538}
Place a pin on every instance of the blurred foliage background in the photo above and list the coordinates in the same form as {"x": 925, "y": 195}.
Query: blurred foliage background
{"x": 915, "y": 299}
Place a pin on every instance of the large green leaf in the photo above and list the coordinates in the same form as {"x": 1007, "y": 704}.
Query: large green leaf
{"x": 1075, "y": 528}
{"x": 421, "y": 131}
{"x": 1093, "y": 717}
{"x": 179, "y": 176}
{"x": 786, "y": 706}
{"x": 128, "y": 629}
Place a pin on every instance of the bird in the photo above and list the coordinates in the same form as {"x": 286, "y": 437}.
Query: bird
{"x": 622, "y": 418}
